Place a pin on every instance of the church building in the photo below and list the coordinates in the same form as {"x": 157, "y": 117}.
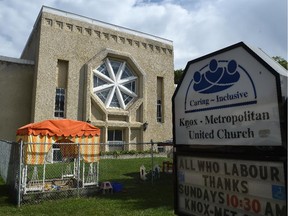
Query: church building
{"x": 75, "y": 67}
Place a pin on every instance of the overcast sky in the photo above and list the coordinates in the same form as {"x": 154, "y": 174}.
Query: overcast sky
{"x": 196, "y": 27}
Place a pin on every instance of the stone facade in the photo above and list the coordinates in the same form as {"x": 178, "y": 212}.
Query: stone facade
{"x": 68, "y": 48}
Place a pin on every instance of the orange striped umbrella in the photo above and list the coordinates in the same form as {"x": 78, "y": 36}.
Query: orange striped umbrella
{"x": 40, "y": 137}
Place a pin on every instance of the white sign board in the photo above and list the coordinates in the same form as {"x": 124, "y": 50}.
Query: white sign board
{"x": 229, "y": 98}
{"x": 227, "y": 187}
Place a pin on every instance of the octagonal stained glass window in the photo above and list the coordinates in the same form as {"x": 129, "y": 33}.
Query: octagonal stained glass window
{"x": 114, "y": 83}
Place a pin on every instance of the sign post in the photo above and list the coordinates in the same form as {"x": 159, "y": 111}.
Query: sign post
{"x": 230, "y": 136}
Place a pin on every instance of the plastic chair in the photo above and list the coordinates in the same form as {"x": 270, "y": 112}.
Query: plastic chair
{"x": 106, "y": 187}
{"x": 156, "y": 171}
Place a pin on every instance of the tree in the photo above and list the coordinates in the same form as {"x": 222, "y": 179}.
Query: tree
{"x": 281, "y": 61}
{"x": 178, "y": 75}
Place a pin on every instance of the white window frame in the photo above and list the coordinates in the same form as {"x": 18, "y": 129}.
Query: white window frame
{"x": 159, "y": 111}
{"x": 115, "y": 84}
{"x": 118, "y": 144}
{"x": 58, "y": 152}
{"x": 58, "y": 110}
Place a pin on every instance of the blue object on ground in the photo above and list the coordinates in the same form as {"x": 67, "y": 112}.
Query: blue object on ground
{"x": 117, "y": 187}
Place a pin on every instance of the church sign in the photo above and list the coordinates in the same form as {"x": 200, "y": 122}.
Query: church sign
{"x": 216, "y": 186}
{"x": 228, "y": 98}
{"x": 230, "y": 151}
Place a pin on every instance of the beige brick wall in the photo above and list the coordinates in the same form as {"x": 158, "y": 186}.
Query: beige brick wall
{"x": 85, "y": 45}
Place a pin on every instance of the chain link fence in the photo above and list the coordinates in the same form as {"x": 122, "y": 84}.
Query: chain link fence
{"x": 53, "y": 171}
{"x": 9, "y": 160}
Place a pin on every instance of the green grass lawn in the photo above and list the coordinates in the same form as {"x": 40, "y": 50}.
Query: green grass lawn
{"x": 137, "y": 198}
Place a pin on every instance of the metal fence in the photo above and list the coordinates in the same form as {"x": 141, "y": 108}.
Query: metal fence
{"x": 43, "y": 171}
{"x": 9, "y": 160}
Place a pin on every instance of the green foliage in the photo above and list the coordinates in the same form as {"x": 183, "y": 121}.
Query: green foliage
{"x": 126, "y": 152}
{"x": 178, "y": 76}
{"x": 281, "y": 61}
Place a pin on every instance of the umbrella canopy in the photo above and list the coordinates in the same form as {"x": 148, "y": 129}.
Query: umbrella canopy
{"x": 59, "y": 127}
{"x": 40, "y": 137}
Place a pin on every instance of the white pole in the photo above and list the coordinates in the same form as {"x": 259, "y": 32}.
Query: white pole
{"x": 83, "y": 175}
{"x": 44, "y": 175}
{"x": 97, "y": 174}
{"x": 78, "y": 170}
{"x": 20, "y": 175}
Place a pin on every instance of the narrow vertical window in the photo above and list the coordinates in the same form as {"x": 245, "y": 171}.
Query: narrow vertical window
{"x": 159, "y": 111}
{"x": 159, "y": 102}
{"x": 59, "y": 103}
{"x": 61, "y": 85}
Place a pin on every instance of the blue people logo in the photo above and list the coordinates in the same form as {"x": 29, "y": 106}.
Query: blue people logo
{"x": 220, "y": 84}
{"x": 216, "y": 78}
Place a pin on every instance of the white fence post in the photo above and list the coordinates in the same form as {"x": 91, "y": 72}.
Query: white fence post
{"x": 20, "y": 175}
